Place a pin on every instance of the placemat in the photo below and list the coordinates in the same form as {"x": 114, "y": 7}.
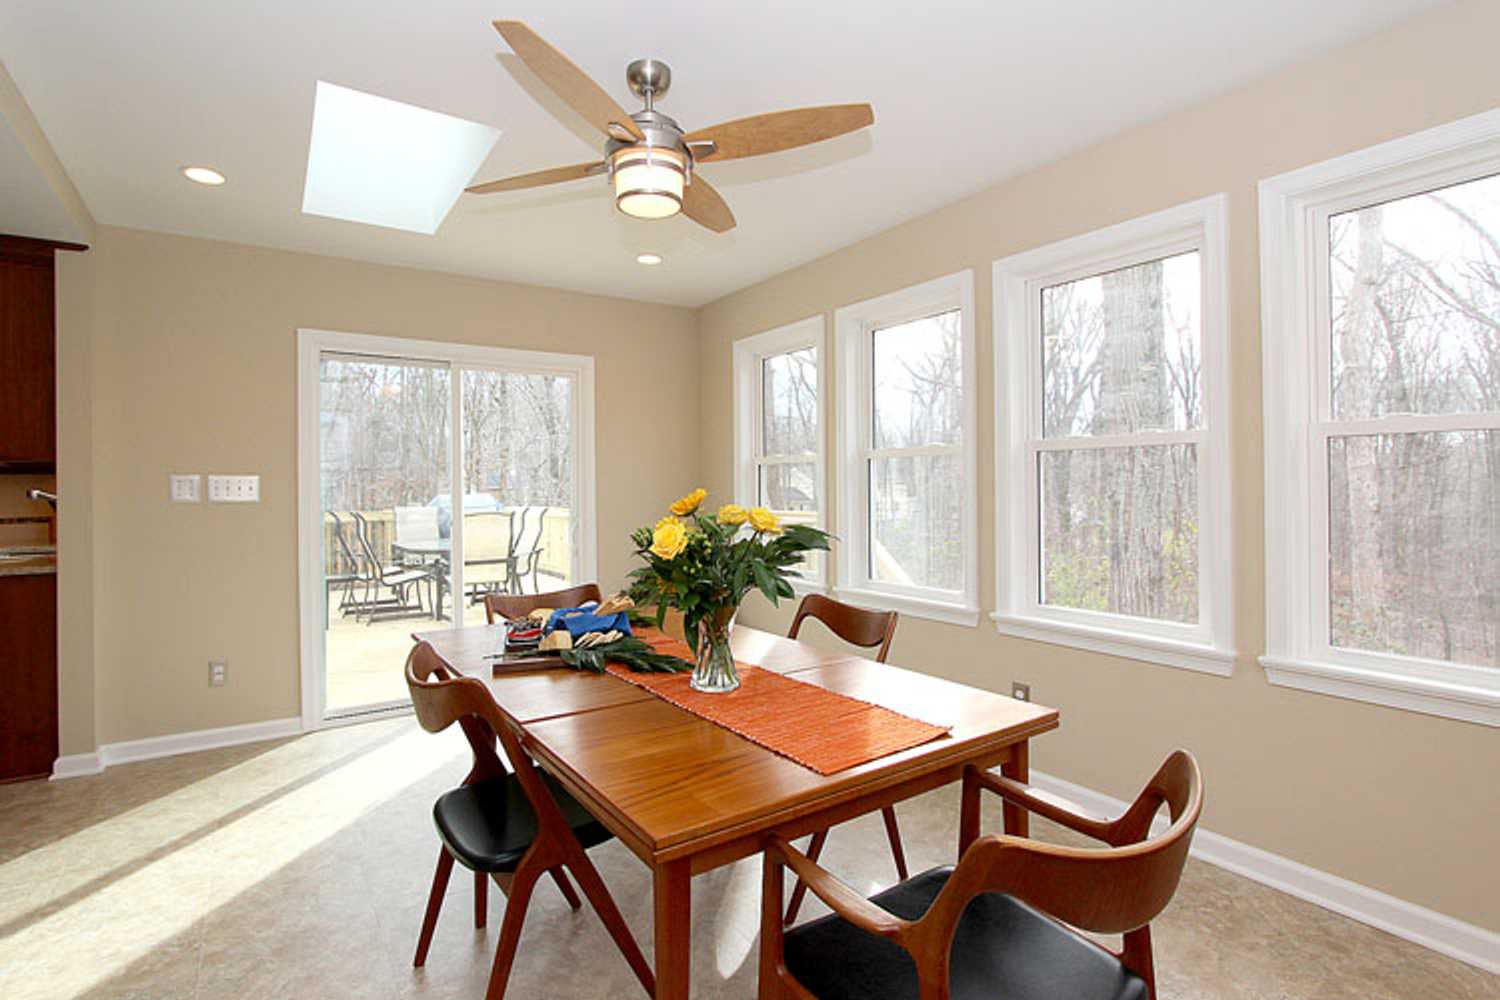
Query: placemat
{"x": 822, "y": 730}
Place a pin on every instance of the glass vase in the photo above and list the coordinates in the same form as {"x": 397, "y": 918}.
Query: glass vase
{"x": 714, "y": 672}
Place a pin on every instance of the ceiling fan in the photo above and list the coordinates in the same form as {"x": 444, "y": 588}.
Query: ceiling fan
{"x": 651, "y": 160}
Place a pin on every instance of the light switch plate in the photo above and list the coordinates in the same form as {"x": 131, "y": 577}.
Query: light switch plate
{"x": 185, "y": 489}
{"x": 234, "y": 489}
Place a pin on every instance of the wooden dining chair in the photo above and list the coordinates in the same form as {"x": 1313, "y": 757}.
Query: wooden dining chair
{"x": 515, "y": 606}
{"x": 513, "y": 826}
{"x": 867, "y": 629}
{"x": 995, "y": 925}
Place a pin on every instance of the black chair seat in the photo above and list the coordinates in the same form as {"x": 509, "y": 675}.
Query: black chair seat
{"x": 489, "y": 825}
{"x": 1002, "y": 950}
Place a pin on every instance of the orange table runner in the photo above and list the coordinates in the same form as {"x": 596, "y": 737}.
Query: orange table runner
{"x": 820, "y": 729}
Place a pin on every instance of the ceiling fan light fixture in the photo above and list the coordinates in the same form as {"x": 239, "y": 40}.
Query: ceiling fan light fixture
{"x": 649, "y": 181}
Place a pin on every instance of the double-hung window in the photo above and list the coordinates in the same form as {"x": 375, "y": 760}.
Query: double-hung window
{"x": 906, "y": 432}
{"x": 778, "y": 387}
{"x": 1381, "y": 299}
{"x": 1111, "y": 465}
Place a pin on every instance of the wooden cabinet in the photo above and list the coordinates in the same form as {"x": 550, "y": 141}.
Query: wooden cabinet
{"x": 28, "y": 370}
{"x": 28, "y": 676}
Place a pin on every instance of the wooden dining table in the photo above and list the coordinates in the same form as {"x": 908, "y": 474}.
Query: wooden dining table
{"x": 686, "y": 795}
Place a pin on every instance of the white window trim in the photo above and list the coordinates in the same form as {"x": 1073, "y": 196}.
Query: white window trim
{"x": 749, "y": 353}
{"x": 311, "y": 344}
{"x": 1294, "y": 208}
{"x": 1208, "y": 646}
{"x": 854, "y": 325}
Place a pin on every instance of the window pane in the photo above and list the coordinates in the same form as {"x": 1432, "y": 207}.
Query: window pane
{"x": 916, "y": 517}
{"x": 1414, "y": 544}
{"x": 789, "y": 402}
{"x": 918, "y": 369}
{"x": 1122, "y": 351}
{"x": 788, "y": 487}
{"x": 1120, "y": 531}
{"x": 1415, "y": 304}
{"x": 791, "y": 490}
{"x": 383, "y": 455}
{"x": 518, "y": 484}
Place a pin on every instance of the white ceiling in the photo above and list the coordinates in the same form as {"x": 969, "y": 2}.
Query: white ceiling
{"x": 965, "y": 94}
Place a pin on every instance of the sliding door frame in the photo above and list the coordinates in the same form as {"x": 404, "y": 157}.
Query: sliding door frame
{"x": 311, "y": 346}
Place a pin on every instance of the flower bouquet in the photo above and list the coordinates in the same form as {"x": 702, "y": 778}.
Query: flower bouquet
{"x": 704, "y": 565}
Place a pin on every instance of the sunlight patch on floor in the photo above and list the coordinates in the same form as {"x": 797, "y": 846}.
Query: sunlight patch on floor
{"x": 126, "y": 919}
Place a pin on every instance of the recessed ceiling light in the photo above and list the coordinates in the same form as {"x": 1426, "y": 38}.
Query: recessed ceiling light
{"x": 648, "y": 258}
{"x": 203, "y": 175}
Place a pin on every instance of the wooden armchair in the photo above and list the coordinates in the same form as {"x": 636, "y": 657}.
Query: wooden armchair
{"x": 514, "y": 606}
{"x": 866, "y": 629}
{"x": 512, "y": 826}
{"x": 994, "y": 926}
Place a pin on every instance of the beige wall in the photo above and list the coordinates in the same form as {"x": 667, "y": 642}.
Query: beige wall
{"x": 1402, "y": 802}
{"x": 192, "y": 368}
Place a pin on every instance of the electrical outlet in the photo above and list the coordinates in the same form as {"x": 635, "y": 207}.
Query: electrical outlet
{"x": 234, "y": 489}
{"x": 185, "y": 489}
{"x": 1019, "y": 691}
{"x": 218, "y": 673}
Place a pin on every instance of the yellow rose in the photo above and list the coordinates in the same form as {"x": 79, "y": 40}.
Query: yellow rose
{"x": 733, "y": 513}
{"x": 669, "y": 538}
{"x": 763, "y": 520}
{"x": 689, "y": 503}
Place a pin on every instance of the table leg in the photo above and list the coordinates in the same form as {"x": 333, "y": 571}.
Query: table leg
{"x": 1018, "y": 768}
{"x": 673, "y": 886}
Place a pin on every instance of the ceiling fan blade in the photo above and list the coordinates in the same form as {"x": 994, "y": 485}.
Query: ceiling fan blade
{"x": 778, "y": 130}
{"x": 705, "y": 206}
{"x": 556, "y": 175}
{"x": 566, "y": 80}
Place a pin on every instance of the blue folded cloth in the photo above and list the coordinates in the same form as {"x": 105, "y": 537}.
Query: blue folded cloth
{"x": 581, "y": 621}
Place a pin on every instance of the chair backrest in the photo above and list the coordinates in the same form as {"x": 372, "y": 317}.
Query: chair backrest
{"x": 1113, "y": 890}
{"x": 416, "y": 525}
{"x": 487, "y": 536}
{"x": 362, "y": 536}
{"x": 514, "y": 606}
{"x": 529, "y": 535}
{"x": 856, "y": 626}
{"x": 341, "y": 543}
{"x": 440, "y": 698}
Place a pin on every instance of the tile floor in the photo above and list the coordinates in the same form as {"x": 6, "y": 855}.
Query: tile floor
{"x": 298, "y": 869}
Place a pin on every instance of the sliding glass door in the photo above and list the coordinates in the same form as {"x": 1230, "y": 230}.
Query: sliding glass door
{"x": 388, "y": 551}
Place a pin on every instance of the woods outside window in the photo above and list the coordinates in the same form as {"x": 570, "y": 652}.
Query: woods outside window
{"x": 1382, "y": 323}
{"x": 1111, "y": 464}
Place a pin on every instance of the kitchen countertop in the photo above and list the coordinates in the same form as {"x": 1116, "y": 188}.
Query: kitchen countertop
{"x": 28, "y": 560}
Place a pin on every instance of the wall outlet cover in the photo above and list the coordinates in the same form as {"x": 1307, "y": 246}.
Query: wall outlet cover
{"x": 185, "y": 489}
{"x": 234, "y": 489}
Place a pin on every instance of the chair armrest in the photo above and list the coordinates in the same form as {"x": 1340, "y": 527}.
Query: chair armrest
{"x": 843, "y": 900}
{"x": 1045, "y": 804}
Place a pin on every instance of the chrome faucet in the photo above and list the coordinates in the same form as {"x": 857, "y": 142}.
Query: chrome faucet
{"x": 46, "y": 495}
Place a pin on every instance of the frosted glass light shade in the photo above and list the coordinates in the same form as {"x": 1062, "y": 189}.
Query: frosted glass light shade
{"x": 649, "y": 182}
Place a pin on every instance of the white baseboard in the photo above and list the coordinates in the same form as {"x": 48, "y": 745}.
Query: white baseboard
{"x": 76, "y": 765}
{"x": 130, "y": 751}
{"x": 1444, "y": 934}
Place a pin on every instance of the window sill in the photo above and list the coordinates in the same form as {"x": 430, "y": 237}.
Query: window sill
{"x": 1381, "y": 687}
{"x": 938, "y": 611}
{"x": 1149, "y": 649}
{"x": 803, "y": 587}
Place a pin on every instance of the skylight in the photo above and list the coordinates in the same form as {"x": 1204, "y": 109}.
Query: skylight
{"x": 385, "y": 163}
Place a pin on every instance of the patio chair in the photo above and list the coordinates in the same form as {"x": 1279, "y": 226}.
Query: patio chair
{"x": 400, "y": 581}
{"x": 417, "y": 534}
{"x": 347, "y": 567}
{"x": 526, "y": 550}
{"x": 487, "y": 551}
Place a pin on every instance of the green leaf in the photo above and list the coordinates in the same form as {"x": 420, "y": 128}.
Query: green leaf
{"x": 764, "y": 580}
